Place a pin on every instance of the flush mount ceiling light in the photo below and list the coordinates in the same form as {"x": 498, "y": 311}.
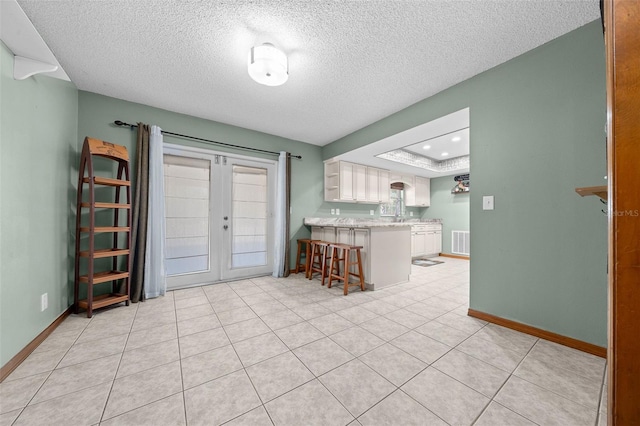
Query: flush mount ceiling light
{"x": 456, "y": 139}
{"x": 426, "y": 147}
{"x": 268, "y": 65}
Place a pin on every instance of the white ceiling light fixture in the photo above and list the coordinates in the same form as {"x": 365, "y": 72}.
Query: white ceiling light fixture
{"x": 456, "y": 139}
{"x": 444, "y": 154}
{"x": 268, "y": 65}
{"x": 426, "y": 147}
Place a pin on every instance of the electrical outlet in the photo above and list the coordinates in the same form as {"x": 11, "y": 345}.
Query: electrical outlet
{"x": 333, "y": 211}
{"x": 338, "y": 212}
{"x": 371, "y": 212}
{"x": 44, "y": 302}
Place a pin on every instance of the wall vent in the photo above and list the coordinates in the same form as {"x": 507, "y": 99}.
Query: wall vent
{"x": 460, "y": 243}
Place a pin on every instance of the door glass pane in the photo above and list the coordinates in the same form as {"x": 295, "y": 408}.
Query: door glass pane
{"x": 186, "y": 183}
{"x": 249, "y": 214}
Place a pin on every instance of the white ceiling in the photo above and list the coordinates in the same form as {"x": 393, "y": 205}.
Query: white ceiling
{"x": 351, "y": 62}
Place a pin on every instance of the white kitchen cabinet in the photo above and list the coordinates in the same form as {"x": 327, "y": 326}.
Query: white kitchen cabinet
{"x": 323, "y": 233}
{"x": 356, "y": 237}
{"x": 418, "y": 243}
{"x": 332, "y": 181}
{"x": 373, "y": 184}
{"x": 351, "y": 182}
{"x": 433, "y": 240}
{"x": 426, "y": 240}
{"x": 377, "y": 185}
{"x": 419, "y": 195}
{"x": 347, "y": 181}
{"x": 384, "y": 184}
{"x": 359, "y": 182}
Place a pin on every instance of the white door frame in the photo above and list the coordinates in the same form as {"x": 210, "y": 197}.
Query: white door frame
{"x": 219, "y": 206}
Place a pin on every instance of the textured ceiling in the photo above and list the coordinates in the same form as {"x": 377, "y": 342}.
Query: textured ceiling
{"x": 351, "y": 63}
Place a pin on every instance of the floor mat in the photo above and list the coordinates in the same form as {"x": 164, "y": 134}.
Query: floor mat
{"x": 425, "y": 262}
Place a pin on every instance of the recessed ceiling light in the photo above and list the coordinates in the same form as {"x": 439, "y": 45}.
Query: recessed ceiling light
{"x": 456, "y": 139}
{"x": 444, "y": 154}
{"x": 426, "y": 147}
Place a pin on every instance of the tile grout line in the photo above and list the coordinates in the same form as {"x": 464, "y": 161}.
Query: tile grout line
{"x": 244, "y": 368}
{"x": 106, "y": 402}
{"x": 184, "y": 398}
{"x": 546, "y": 389}
{"x": 505, "y": 382}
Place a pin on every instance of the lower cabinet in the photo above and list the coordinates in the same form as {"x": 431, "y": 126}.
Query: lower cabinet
{"x": 357, "y": 237}
{"x": 426, "y": 240}
{"x": 418, "y": 243}
{"x": 433, "y": 242}
{"x": 324, "y": 233}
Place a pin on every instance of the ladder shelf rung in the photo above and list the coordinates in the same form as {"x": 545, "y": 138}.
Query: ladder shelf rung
{"x": 100, "y": 205}
{"x": 103, "y": 277}
{"x": 108, "y": 252}
{"x": 103, "y": 300}
{"x": 106, "y": 229}
{"x": 107, "y": 181}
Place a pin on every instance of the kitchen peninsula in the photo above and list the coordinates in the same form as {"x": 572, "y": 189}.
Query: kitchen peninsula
{"x": 386, "y": 253}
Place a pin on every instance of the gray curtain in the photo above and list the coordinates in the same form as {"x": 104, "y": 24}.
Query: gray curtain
{"x": 287, "y": 268}
{"x": 140, "y": 213}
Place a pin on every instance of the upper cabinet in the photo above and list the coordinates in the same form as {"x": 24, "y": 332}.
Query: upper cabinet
{"x": 377, "y": 185}
{"x": 350, "y": 182}
{"x": 418, "y": 195}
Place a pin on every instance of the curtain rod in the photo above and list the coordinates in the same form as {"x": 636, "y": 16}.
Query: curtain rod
{"x": 131, "y": 126}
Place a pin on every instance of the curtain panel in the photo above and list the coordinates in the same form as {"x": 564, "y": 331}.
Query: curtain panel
{"x": 283, "y": 216}
{"x": 140, "y": 214}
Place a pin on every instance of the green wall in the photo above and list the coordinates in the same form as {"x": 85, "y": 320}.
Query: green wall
{"x": 453, "y": 209}
{"x": 97, "y": 114}
{"x": 38, "y": 148}
{"x": 537, "y": 132}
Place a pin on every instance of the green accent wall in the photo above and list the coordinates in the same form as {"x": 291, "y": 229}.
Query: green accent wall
{"x": 537, "y": 132}
{"x": 38, "y": 152}
{"x": 97, "y": 114}
{"x": 453, "y": 209}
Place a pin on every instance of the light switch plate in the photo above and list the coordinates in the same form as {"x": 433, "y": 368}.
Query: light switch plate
{"x": 333, "y": 211}
{"x": 371, "y": 212}
{"x": 338, "y": 212}
{"x": 410, "y": 213}
{"x": 487, "y": 202}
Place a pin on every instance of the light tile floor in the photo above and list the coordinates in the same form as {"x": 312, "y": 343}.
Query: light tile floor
{"x": 291, "y": 352}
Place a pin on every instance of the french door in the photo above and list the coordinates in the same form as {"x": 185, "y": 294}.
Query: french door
{"x": 219, "y": 216}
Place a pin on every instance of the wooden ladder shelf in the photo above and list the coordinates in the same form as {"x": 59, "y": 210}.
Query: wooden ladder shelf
{"x": 119, "y": 249}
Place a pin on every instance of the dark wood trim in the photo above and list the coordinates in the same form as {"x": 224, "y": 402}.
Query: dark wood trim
{"x": 622, "y": 49}
{"x": 455, "y": 256}
{"x": 26, "y": 351}
{"x": 543, "y": 334}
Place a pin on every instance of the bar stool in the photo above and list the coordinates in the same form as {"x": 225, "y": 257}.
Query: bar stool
{"x": 319, "y": 258}
{"x": 342, "y": 253}
{"x": 303, "y": 243}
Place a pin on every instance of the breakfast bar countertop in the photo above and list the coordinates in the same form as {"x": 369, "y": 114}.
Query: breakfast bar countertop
{"x": 365, "y": 223}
